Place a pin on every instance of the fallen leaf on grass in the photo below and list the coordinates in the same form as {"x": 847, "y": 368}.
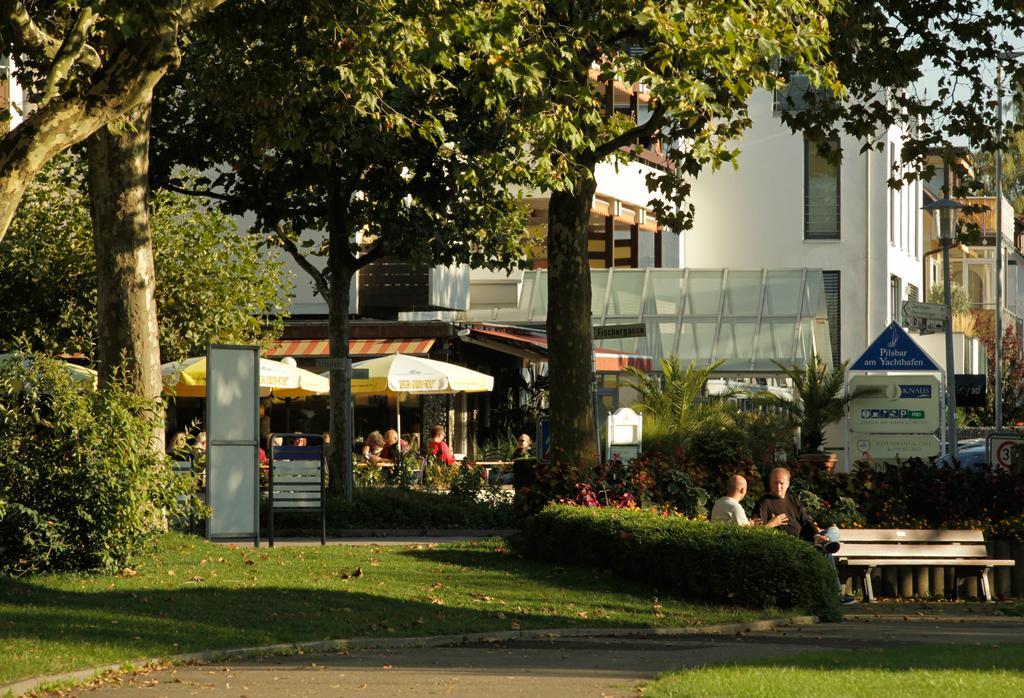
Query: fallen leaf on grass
{"x": 170, "y": 573}
{"x": 128, "y": 572}
{"x": 388, "y": 666}
{"x": 516, "y": 625}
{"x": 581, "y": 614}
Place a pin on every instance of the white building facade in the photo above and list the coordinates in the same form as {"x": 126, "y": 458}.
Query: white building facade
{"x": 785, "y": 206}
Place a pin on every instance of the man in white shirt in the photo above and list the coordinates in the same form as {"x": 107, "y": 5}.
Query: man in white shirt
{"x": 728, "y": 509}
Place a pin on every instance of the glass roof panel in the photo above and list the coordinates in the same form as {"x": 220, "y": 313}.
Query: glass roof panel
{"x": 790, "y": 325}
{"x": 664, "y": 293}
{"x": 626, "y": 299}
{"x": 598, "y": 285}
{"x": 742, "y": 293}
{"x": 782, "y": 292}
{"x": 704, "y": 292}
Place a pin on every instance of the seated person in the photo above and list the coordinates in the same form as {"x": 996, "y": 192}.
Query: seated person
{"x": 524, "y": 448}
{"x": 373, "y": 449}
{"x": 728, "y": 509}
{"x": 392, "y": 447}
{"x": 438, "y": 448}
{"x": 177, "y": 446}
{"x": 798, "y": 522}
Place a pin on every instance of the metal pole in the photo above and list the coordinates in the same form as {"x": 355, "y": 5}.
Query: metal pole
{"x": 950, "y": 367}
{"x": 998, "y": 348}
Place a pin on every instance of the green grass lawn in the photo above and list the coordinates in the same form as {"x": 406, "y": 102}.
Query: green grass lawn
{"x": 191, "y": 595}
{"x": 926, "y": 671}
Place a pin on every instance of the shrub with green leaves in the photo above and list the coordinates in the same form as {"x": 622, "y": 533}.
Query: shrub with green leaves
{"x": 388, "y": 507}
{"x": 693, "y": 560}
{"x": 80, "y": 486}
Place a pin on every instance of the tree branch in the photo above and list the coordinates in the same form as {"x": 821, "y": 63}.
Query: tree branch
{"x": 28, "y": 37}
{"x": 375, "y": 252}
{"x": 68, "y": 54}
{"x": 641, "y": 132}
{"x": 203, "y": 192}
{"x": 319, "y": 280}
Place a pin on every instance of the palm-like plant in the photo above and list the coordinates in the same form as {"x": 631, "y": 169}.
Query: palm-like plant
{"x": 820, "y": 399}
{"x": 675, "y": 401}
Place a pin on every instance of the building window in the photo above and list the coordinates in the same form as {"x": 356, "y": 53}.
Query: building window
{"x": 832, "y": 308}
{"x": 913, "y": 294}
{"x": 821, "y": 194}
{"x": 895, "y": 294}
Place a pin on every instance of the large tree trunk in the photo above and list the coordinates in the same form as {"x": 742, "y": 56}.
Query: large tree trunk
{"x": 339, "y": 265}
{"x": 570, "y": 342}
{"x": 118, "y": 157}
{"x": 125, "y": 81}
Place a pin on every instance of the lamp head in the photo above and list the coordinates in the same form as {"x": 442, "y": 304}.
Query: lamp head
{"x": 946, "y": 210}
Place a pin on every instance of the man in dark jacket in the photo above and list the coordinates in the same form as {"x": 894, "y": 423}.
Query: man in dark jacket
{"x": 778, "y": 501}
{"x": 798, "y": 522}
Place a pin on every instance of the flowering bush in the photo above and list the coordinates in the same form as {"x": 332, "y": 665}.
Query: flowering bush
{"x": 917, "y": 494}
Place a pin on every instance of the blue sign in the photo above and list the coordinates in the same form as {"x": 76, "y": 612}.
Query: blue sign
{"x": 916, "y": 391}
{"x": 894, "y": 350}
{"x": 543, "y": 440}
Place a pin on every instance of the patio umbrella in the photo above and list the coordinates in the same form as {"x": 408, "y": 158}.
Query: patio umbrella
{"x": 188, "y": 379}
{"x": 401, "y": 373}
{"x": 79, "y": 374}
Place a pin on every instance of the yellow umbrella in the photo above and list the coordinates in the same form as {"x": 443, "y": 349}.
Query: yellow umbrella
{"x": 401, "y": 373}
{"x": 188, "y": 379}
{"x": 79, "y": 374}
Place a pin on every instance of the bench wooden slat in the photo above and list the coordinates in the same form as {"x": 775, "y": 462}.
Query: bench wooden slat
{"x": 935, "y": 562}
{"x": 884, "y": 535}
{"x": 297, "y": 466}
{"x": 913, "y": 550}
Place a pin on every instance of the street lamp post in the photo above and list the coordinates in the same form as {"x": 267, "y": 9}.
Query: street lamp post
{"x": 998, "y": 339}
{"x": 947, "y": 208}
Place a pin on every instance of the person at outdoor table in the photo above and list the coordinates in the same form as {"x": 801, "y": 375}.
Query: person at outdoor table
{"x": 199, "y": 447}
{"x": 392, "y": 447}
{"x": 728, "y": 508}
{"x": 373, "y": 449}
{"x": 524, "y": 448}
{"x": 438, "y": 448}
{"x": 178, "y": 445}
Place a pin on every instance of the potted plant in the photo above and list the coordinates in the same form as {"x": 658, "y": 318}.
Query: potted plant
{"x": 819, "y": 400}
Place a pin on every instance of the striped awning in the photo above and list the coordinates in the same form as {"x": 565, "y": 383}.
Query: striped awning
{"x": 605, "y": 360}
{"x": 356, "y": 347}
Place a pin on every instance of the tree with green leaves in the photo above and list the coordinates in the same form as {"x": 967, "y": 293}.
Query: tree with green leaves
{"x": 84, "y": 64}
{"x": 700, "y": 63}
{"x": 388, "y": 131}
{"x": 214, "y": 283}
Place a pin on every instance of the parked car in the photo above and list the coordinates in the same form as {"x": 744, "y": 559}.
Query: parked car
{"x": 970, "y": 456}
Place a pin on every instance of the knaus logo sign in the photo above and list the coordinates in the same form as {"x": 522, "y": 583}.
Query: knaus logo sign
{"x": 895, "y": 404}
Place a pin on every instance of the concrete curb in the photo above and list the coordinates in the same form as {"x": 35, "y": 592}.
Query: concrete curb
{"x": 365, "y": 643}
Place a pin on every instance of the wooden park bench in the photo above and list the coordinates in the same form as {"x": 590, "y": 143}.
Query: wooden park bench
{"x": 962, "y": 550}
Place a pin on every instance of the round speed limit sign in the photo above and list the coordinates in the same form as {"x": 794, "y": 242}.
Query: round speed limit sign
{"x": 1001, "y": 451}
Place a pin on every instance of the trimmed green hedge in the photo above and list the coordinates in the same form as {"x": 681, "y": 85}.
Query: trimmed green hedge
{"x": 693, "y": 560}
{"x": 390, "y": 507}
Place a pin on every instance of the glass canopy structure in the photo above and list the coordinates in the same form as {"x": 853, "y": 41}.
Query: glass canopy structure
{"x": 748, "y": 319}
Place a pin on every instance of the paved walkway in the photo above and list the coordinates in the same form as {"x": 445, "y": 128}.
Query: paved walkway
{"x": 559, "y": 667}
